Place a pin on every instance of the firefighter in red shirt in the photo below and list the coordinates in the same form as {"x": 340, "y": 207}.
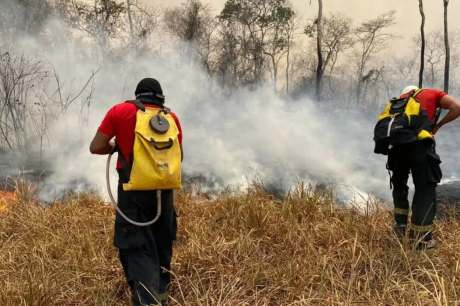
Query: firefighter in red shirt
{"x": 421, "y": 160}
{"x": 145, "y": 252}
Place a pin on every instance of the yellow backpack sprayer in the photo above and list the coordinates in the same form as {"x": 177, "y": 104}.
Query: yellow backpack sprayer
{"x": 156, "y": 163}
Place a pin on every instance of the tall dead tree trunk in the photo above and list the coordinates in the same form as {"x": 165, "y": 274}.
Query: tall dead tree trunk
{"x": 130, "y": 19}
{"x": 319, "y": 37}
{"x": 422, "y": 47}
{"x": 289, "y": 36}
{"x": 288, "y": 63}
{"x": 447, "y": 47}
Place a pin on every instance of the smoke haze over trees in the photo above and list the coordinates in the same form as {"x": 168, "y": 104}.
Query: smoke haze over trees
{"x": 246, "y": 44}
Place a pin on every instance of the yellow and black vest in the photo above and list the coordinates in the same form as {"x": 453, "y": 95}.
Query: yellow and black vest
{"x": 402, "y": 121}
{"x": 156, "y": 160}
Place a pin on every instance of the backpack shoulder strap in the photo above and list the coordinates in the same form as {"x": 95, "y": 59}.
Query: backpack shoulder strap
{"x": 395, "y": 99}
{"x": 165, "y": 110}
{"x": 415, "y": 94}
{"x": 138, "y": 104}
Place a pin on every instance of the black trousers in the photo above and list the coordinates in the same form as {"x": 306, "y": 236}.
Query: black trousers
{"x": 145, "y": 252}
{"x": 421, "y": 160}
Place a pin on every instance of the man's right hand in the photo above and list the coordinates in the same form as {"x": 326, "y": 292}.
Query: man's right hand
{"x": 114, "y": 146}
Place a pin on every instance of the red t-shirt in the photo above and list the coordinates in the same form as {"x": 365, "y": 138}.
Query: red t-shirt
{"x": 429, "y": 100}
{"x": 120, "y": 122}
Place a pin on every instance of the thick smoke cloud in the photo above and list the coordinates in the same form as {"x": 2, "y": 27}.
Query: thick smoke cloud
{"x": 229, "y": 139}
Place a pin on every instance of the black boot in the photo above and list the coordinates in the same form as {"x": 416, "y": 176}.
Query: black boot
{"x": 144, "y": 296}
{"x": 164, "y": 298}
{"x": 400, "y": 230}
{"x": 422, "y": 241}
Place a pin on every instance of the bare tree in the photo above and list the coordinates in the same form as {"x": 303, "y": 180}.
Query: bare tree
{"x": 24, "y": 17}
{"x": 289, "y": 36}
{"x": 422, "y": 47}
{"x": 279, "y": 40}
{"x": 130, "y": 20}
{"x": 336, "y": 39}
{"x": 434, "y": 57}
{"x": 18, "y": 78}
{"x": 101, "y": 19}
{"x": 192, "y": 23}
{"x": 258, "y": 34}
{"x": 319, "y": 52}
{"x": 186, "y": 21}
{"x": 230, "y": 66}
{"x": 371, "y": 39}
{"x": 143, "y": 21}
{"x": 447, "y": 47}
{"x": 104, "y": 21}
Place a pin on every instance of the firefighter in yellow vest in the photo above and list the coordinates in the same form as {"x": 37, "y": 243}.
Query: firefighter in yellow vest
{"x": 148, "y": 138}
{"x": 414, "y": 153}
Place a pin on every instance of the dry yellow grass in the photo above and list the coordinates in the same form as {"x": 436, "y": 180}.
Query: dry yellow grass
{"x": 245, "y": 249}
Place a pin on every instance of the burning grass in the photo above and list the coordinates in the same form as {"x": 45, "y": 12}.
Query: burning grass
{"x": 6, "y": 198}
{"x": 246, "y": 249}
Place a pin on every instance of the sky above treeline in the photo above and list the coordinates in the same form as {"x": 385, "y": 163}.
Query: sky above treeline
{"x": 407, "y": 12}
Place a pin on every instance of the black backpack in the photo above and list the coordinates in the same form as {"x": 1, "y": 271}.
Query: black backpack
{"x": 403, "y": 121}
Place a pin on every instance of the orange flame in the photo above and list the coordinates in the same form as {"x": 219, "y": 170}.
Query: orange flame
{"x": 6, "y": 198}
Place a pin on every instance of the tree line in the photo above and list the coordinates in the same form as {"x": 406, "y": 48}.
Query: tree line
{"x": 247, "y": 44}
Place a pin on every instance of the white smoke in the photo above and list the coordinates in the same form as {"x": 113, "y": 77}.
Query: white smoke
{"x": 228, "y": 138}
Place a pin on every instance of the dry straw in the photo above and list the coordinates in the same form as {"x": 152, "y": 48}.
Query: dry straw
{"x": 245, "y": 249}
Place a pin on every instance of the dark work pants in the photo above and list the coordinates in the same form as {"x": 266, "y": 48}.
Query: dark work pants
{"x": 145, "y": 252}
{"x": 421, "y": 160}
